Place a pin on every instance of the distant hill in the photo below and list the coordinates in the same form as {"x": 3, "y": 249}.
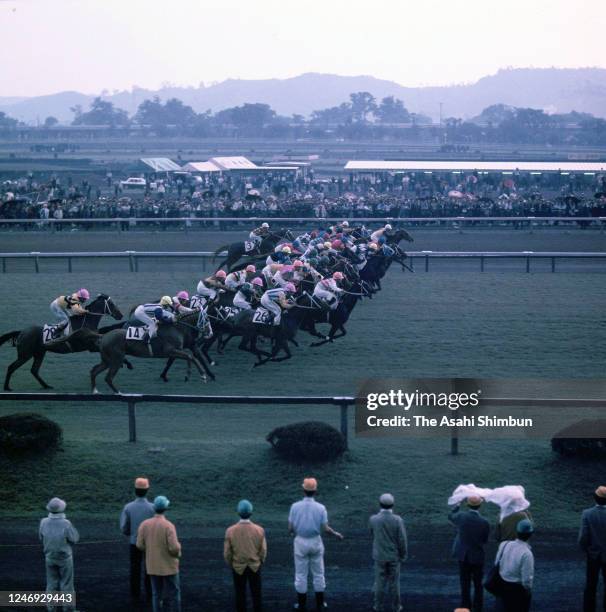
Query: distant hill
{"x": 558, "y": 90}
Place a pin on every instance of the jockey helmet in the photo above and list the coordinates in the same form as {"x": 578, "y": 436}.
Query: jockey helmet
{"x": 296, "y": 243}
{"x": 313, "y": 261}
{"x": 338, "y": 276}
{"x": 373, "y": 245}
{"x": 327, "y": 245}
{"x": 290, "y": 288}
{"x": 220, "y": 274}
{"x": 320, "y": 246}
{"x": 313, "y": 252}
{"x": 265, "y": 225}
{"x": 250, "y": 268}
{"x": 324, "y": 261}
{"x": 382, "y": 240}
{"x": 313, "y": 235}
{"x": 183, "y": 295}
{"x": 286, "y": 249}
{"x": 297, "y": 263}
{"x": 388, "y": 227}
{"x": 83, "y": 294}
{"x": 325, "y": 235}
{"x": 345, "y": 224}
{"x": 166, "y": 300}
{"x": 337, "y": 244}
{"x": 257, "y": 281}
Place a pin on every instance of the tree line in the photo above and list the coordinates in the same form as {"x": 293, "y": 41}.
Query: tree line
{"x": 362, "y": 116}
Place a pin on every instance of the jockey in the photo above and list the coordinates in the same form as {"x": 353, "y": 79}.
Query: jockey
{"x": 247, "y": 295}
{"x": 268, "y": 273}
{"x": 258, "y": 234}
{"x": 373, "y": 249}
{"x": 383, "y": 231}
{"x": 283, "y": 276}
{"x": 274, "y": 300}
{"x": 73, "y": 302}
{"x": 298, "y": 270}
{"x": 181, "y": 303}
{"x": 327, "y": 290}
{"x": 309, "y": 253}
{"x": 208, "y": 287}
{"x": 150, "y": 314}
{"x": 234, "y": 280}
{"x": 280, "y": 255}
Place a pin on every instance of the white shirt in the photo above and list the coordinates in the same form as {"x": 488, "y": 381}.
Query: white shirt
{"x": 516, "y": 563}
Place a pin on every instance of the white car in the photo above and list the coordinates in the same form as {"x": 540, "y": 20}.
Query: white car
{"x": 134, "y": 181}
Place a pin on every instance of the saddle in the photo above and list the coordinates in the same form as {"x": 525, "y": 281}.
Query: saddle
{"x": 263, "y": 316}
{"x": 50, "y": 333}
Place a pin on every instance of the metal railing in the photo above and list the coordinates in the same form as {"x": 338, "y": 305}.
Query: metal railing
{"x": 134, "y": 257}
{"x": 342, "y": 402}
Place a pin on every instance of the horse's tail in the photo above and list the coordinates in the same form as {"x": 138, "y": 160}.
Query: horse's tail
{"x": 225, "y": 247}
{"x": 12, "y": 336}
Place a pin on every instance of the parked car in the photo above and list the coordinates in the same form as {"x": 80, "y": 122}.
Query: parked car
{"x": 134, "y": 181}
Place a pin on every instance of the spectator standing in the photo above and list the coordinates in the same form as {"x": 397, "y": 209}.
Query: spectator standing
{"x": 57, "y": 535}
{"x": 133, "y": 514}
{"x": 245, "y": 550}
{"x": 157, "y": 536}
{"x": 389, "y": 550}
{"x": 515, "y": 511}
{"x": 306, "y": 521}
{"x": 592, "y": 540}
{"x": 468, "y": 548}
{"x": 516, "y": 567}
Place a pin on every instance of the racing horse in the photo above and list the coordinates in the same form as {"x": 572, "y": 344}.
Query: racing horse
{"x": 29, "y": 342}
{"x": 172, "y": 341}
{"x": 237, "y": 250}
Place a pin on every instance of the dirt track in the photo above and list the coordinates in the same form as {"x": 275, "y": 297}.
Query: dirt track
{"x": 429, "y": 578}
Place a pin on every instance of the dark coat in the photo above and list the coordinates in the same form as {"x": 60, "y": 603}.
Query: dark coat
{"x": 472, "y": 535}
{"x": 592, "y": 536}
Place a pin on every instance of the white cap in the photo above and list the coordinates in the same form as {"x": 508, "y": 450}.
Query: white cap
{"x": 386, "y": 499}
{"x": 264, "y": 224}
{"x": 388, "y": 227}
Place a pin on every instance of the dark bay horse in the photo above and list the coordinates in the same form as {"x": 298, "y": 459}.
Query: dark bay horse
{"x": 237, "y": 250}
{"x": 172, "y": 341}
{"x": 84, "y": 337}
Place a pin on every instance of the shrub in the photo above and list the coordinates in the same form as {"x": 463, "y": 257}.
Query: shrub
{"x": 307, "y": 441}
{"x": 579, "y": 439}
{"x": 28, "y": 432}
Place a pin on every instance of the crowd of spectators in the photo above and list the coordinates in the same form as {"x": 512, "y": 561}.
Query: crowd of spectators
{"x": 281, "y": 196}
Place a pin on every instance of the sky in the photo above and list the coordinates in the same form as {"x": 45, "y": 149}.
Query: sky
{"x": 95, "y": 45}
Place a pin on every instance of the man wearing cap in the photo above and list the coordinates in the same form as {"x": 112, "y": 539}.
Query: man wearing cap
{"x": 245, "y": 550}
{"x": 157, "y": 536}
{"x": 516, "y": 567}
{"x": 468, "y": 548}
{"x": 133, "y": 514}
{"x": 592, "y": 540}
{"x": 57, "y": 535}
{"x": 389, "y": 549}
{"x": 306, "y": 521}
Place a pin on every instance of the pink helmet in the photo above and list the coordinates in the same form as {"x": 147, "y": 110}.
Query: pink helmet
{"x": 290, "y": 288}
{"x": 83, "y": 294}
{"x": 338, "y": 276}
{"x": 183, "y": 295}
{"x": 257, "y": 281}
{"x": 297, "y": 263}
{"x": 250, "y": 268}
{"x": 336, "y": 244}
{"x": 220, "y": 274}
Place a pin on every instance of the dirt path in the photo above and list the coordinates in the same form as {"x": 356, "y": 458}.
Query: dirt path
{"x": 429, "y": 578}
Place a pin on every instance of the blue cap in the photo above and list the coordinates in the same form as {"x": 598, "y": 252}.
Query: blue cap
{"x": 245, "y": 508}
{"x": 524, "y": 526}
{"x": 161, "y": 503}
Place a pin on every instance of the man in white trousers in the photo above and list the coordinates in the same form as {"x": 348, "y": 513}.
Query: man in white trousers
{"x": 306, "y": 521}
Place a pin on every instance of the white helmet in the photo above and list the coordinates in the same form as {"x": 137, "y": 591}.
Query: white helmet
{"x": 345, "y": 224}
{"x": 166, "y": 300}
{"x": 388, "y": 227}
{"x": 265, "y": 225}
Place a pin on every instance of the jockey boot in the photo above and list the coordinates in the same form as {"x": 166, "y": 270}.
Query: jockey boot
{"x": 320, "y": 603}
{"x": 301, "y": 602}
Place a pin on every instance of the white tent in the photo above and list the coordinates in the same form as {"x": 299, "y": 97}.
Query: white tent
{"x": 161, "y": 164}
{"x": 200, "y": 167}
{"x": 233, "y": 163}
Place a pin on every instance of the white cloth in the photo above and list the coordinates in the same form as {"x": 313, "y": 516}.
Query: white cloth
{"x": 59, "y": 312}
{"x": 511, "y": 498}
{"x": 322, "y": 292}
{"x": 240, "y": 301}
{"x": 266, "y": 302}
{"x": 309, "y": 555}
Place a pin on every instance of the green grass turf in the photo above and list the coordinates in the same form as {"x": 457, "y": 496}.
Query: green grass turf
{"x": 489, "y": 325}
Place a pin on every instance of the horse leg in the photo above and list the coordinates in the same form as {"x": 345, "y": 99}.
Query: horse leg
{"x": 109, "y": 378}
{"x": 12, "y": 368}
{"x": 128, "y": 364}
{"x": 200, "y": 357}
{"x": 95, "y": 371}
{"x": 38, "y": 358}
{"x": 167, "y": 367}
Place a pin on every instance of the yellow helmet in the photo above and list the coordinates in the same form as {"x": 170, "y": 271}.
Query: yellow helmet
{"x": 166, "y": 301}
